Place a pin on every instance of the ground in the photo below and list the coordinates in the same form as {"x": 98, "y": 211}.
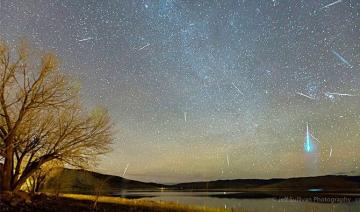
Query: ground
{"x": 21, "y": 201}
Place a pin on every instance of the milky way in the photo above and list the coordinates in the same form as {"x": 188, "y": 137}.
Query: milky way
{"x": 205, "y": 90}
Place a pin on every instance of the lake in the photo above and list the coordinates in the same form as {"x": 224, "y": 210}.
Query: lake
{"x": 253, "y": 204}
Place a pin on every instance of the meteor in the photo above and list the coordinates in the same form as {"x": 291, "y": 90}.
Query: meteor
{"x": 227, "y": 160}
{"x": 144, "y": 47}
{"x": 340, "y": 94}
{"x": 330, "y": 154}
{"x": 85, "y": 39}
{"x": 308, "y": 145}
{"x": 126, "y": 168}
{"x": 307, "y": 96}
{"x": 331, "y": 4}
{"x": 341, "y": 58}
{"x": 239, "y": 91}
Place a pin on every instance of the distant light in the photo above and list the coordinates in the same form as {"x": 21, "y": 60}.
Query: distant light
{"x": 315, "y": 189}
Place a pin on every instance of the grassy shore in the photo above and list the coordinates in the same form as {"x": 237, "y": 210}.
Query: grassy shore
{"x": 139, "y": 205}
{"x": 21, "y": 201}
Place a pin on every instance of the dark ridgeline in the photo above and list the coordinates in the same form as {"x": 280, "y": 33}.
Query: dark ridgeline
{"x": 82, "y": 181}
{"x": 87, "y": 182}
{"x": 328, "y": 182}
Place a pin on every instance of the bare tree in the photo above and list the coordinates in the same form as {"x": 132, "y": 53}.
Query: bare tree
{"x": 41, "y": 118}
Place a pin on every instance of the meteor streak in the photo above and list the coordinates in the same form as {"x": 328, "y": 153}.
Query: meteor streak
{"x": 341, "y": 58}
{"x": 340, "y": 94}
{"x": 126, "y": 168}
{"x": 331, "y": 150}
{"x": 315, "y": 138}
{"x": 240, "y": 92}
{"x": 85, "y": 39}
{"x": 331, "y": 4}
{"x": 307, "y": 96}
{"x": 144, "y": 47}
{"x": 308, "y": 145}
{"x": 227, "y": 159}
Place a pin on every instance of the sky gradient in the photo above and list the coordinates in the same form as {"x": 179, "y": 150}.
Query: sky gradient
{"x": 203, "y": 90}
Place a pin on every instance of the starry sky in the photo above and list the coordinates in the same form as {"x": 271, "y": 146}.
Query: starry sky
{"x": 204, "y": 90}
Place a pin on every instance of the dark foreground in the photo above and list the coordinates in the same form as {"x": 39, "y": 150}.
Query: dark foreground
{"x": 21, "y": 201}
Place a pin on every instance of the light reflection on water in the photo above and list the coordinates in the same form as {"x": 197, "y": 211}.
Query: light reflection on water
{"x": 266, "y": 204}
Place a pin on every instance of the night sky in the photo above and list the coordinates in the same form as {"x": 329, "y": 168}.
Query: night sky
{"x": 203, "y": 90}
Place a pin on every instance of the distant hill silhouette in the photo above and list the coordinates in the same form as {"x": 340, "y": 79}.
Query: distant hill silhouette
{"x": 226, "y": 184}
{"x": 328, "y": 182}
{"x": 82, "y": 181}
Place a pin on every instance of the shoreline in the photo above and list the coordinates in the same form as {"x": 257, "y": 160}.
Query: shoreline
{"x": 22, "y": 201}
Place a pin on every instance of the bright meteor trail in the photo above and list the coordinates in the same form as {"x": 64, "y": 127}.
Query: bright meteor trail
{"x": 308, "y": 145}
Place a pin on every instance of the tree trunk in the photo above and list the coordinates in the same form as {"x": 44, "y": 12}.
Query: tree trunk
{"x": 1, "y": 175}
{"x": 35, "y": 165}
{"x": 8, "y": 168}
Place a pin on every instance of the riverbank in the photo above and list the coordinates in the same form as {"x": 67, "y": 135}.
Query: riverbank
{"x": 21, "y": 201}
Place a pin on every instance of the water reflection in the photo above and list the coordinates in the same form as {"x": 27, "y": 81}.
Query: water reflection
{"x": 227, "y": 200}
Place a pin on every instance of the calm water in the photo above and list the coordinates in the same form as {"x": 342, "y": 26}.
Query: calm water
{"x": 268, "y": 204}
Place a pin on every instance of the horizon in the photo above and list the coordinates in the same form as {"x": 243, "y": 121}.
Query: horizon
{"x": 209, "y": 90}
{"x": 227, "y": 179}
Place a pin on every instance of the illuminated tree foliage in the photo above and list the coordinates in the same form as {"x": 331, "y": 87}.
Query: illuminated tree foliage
{"x": 41, "y": 118}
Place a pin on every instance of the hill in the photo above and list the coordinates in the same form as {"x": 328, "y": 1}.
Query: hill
{"x": 328, "y": 182}
{"x": 225, "y": 184}
{"x": 86, "y": 182}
